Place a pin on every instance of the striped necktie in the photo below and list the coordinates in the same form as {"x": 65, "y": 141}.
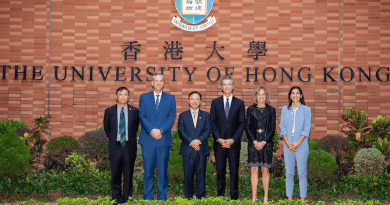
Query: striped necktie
{"x": 122, "y": 128}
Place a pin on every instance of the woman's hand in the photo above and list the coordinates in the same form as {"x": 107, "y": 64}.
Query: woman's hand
{"x": 293, "y": 146}
{"x": 258, "y": 145}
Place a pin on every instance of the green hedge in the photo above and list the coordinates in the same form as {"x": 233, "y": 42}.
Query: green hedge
{"x": 211, "y": 200}
{"x": 83, "y": 184}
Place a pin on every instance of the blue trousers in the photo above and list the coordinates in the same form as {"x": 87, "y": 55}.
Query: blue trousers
{"x": 300, "y": 156}
{"x": 153, "y": 156}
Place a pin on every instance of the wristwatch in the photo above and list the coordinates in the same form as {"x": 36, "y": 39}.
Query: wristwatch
{"x": 265, "y": 142}
{"x": 160, "y": 130}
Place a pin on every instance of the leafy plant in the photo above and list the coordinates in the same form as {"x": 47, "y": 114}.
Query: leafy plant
{"x": 369, "y": 162}
{"x": 80, "y": 163}
{"x": 10, "y": 125}
{"x": 383, "y": 146}
{"x": 35, "y": 141}
{"x": 381, "y": 127}
{"x": 95, "y": 145}
{"x": 338, "y": 146}
{"x": 41, "y": 125}
{"x": 101, "y": 128}
{"x": 23, "y": 130}
{"x": 57, "y": 150}
{"x": 175, "y": 166}
{"x": 14, "y": 154}
{"x": 321, "y": 166}
{"x": 355, "y": 123}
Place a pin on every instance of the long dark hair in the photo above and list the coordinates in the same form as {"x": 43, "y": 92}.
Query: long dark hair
{"x": 302, "y": 100}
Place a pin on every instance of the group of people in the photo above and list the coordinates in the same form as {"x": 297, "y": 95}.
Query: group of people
{"x": 226, "y": 122}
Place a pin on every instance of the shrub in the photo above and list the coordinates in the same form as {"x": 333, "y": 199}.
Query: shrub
{"x": 369, "y": 162}
{"x": 57, "y": 150}
{"x": 12, "y": 125}
{"x": 14, "y": 154}
{"x": 62, "y": 144}
{"x": 80, "y": 163}
{"x": 312, "y": 143}
{"x": 338, "y": 146}
{"x": 95, "y": 145}
{"x": 321, "y": 166}
{"x": 21, "y": 131}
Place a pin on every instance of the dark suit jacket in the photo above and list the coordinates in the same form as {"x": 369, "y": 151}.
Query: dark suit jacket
{"x": 151, "y": 118}
{"x": 230, "y": 128}
{"x": 110, "y": 122}
{"x": 187, "y": 132}
{"x": 268, "y": 118}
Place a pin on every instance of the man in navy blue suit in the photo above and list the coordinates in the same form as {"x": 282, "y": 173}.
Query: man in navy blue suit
{"x": 121, "y": 125}
{"x": 227, "y": 115}
{"x": 194, "y": 129}
{"x": 157, "y": 111}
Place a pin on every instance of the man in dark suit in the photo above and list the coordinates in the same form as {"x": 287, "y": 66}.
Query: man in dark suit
{"x": 227, "y": 114}
{"x": 121, "y": 123}
{"x": 157, "y": 113}
{"x": 194, "y": 129}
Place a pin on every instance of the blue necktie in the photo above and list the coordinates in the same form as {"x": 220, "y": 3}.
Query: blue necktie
{"x": 157, "y": 101}
{"x": 227, "y": 108}
{"x": 122, "y": 128}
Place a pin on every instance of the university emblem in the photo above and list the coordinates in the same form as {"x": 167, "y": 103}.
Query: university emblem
{"x": 194, "y": 11}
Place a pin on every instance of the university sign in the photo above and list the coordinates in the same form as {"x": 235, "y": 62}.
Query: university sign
{"x": 213, "y": 74}
{"x": 194, "y": 11}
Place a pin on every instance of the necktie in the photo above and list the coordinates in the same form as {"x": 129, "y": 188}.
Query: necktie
{"x": 227, "y": 108}
{"x": 157, "y": 101}
{"x": 195, "y": 119}
{"x": 122, "y": 128}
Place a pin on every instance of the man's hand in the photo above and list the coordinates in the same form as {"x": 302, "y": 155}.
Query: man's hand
{"x": 195, "y": 144}
{"x": 222, "y": 142}
{"x": 156, "y": 134}
{"x": 226, "y": 143}
{"x": 229, "y": 142}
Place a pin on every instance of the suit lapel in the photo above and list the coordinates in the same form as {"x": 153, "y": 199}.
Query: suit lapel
{"x": 221, "y": 107}
{"x": 152, "y": 103}
{"x": 199, "y": 123}
{"x": 115, "y": 114}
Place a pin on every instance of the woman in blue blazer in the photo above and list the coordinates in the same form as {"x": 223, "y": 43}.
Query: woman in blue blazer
{"x": 295, "y": 125}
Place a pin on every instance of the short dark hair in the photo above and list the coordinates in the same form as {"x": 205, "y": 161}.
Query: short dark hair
{"x": 122, "y": 88}
{"x": 195, "y": 92}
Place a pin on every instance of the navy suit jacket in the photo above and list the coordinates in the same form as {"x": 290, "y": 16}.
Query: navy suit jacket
{"x": 110, "y": 123}
{"x": 188, "y": 132}
{"x": 230, "y": 128}
{"x": 152, "y": 118}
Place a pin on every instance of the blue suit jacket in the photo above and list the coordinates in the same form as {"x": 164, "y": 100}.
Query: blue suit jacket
{"x": 188, "y": 132}
{"x": 151, "y": 118}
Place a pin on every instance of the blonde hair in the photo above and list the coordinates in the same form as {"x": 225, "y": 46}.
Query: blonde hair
{"x": 257, "y": 91}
